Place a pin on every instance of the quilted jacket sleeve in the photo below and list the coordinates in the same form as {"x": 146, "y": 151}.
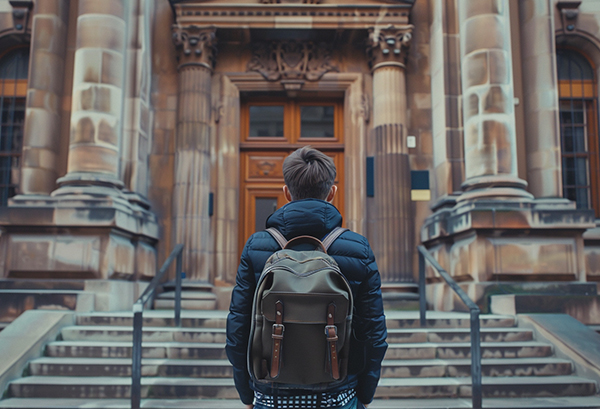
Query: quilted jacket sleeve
{"x": 238, "y": 326}
{"x": 369, "y": 322}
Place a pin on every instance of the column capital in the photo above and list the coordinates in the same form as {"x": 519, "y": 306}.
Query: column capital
{"x": 195, "y": 45}
{"x": 388, "y": 46}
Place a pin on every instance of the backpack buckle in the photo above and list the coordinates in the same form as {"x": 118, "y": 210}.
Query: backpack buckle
{"x": 278, "y": 330}
{"x": 331, "y": 332}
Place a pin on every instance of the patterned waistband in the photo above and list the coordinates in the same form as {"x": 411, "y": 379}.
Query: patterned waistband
{"x": 328, "y": 400}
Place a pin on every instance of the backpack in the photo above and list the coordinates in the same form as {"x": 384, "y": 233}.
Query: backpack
{"x": 302, "y": 315}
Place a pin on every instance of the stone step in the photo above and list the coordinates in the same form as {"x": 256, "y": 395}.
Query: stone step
{"x": 491, "y": 387}
{"x": 17, "y": 301}
{"x": 190, "y": 300}
{"x": 171, "y": 350}
{"x": 414, "y": 335}
{"x": 165, "y": 334}
{"x": 157, "y": 318}
{"x": 115, "y": 387}
{"x": 149, "y": 334}
{"x": 217, "y": 319}
{"x": 595, "y": 328}
{"x": 3, "y": 325}
{"x": 220, "y": 368}
{"x": 190, "y": 388}
{"x": 435, "y": 368}
{"x": 585, "y": 402}
{"x": 191, "y": 368}
{"x": 41, "y": 284}
{"x": 200, "y": 350}
{"x": 489, "y": 350}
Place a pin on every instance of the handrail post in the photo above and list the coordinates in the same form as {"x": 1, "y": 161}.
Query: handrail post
{"x": 178, "y": 289}
{"x": 136, "y": 356}
{"x": 476, "y": 359}
{"x": 422, "y": 296}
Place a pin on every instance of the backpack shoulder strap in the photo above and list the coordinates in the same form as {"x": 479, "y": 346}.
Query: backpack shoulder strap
{"x": 332, "y": 236}
{"x": 277, "y": 236}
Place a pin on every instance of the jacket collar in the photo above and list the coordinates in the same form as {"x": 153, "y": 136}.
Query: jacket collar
{"x": 308, "y": 216}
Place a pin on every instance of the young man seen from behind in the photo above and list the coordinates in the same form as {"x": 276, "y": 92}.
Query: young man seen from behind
{"x": 309, "y": 187}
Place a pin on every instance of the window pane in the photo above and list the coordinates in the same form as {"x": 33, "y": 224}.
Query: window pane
{"x": 573, "y": 66}
{"x": 265, "y": 206}
{"x": 317, "y": 121}
{"x": 15, "y": 64}
{"x": 266, "y": 121}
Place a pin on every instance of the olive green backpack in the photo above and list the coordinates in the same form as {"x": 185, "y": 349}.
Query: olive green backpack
{"x": 302, "y": 314}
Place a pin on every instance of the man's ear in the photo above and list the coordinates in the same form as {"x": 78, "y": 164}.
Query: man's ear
{"x": 332, "y": 193}
{"x": 286, "y": 193}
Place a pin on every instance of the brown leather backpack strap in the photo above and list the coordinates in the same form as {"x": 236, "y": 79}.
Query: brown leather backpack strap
{"x": 332, "y": 337}
{"x": 279, "y": 238}
{"x": 332, "y": 236}
{"x": 277, "y": 335}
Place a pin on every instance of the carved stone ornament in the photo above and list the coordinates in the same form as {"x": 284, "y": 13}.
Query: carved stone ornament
{"x": 388, "y": 45}
{"x": 290, "y": 1}
{"x": 195, "y": 45}
{"x": 569, "y": 11}
{"x": 291, "y": 60}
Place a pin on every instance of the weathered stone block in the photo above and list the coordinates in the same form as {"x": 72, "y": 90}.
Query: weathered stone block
{"x": 110, "y": 7}
{"x": 107, "y": 133}
{"x": 86, "y": 158}
{"x": 48, "y": 67}
{"x": 472, "y": 106}
{"x": 37, "y": 181}
{"x": 84, "y": 131}
{"x": 112, "y": 69}
{"x": 476, "y": 67}
{"x": 112, "y": 29}
{"x": 483, "y": 32}
{"x": 47, "y": 29}
{"x": 88, "y": 63}
{"x": 479, "y": 7}
{"x": 498, "y": 67}
{"x": 40, "y": 125}
{"x": 495, "y": 101}
{"x": 42, "y": 99}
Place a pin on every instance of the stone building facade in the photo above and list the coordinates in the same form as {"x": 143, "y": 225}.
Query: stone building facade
{"x": 140, "y": 124}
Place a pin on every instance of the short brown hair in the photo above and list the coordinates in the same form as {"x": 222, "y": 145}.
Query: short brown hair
{"x": 309, "y": 174}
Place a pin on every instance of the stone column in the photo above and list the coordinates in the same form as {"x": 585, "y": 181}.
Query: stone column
{"x": 540, "y": 91}
{"x": 394, "y": 246}
{"x": 197, "y": 49}
{"x": 44, "y": 97}
{"x": 97, "y": 105}
{"x": 488, "y": 101}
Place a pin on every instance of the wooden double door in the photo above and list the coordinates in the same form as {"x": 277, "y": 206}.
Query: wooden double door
{"x": 271, "y": 130}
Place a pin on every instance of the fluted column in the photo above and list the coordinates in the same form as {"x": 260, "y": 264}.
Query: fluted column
{"x": 394, "y": 245}
{"x": 97, "y": 104}
{"x": 192, "y": 153}
{"x": 488, "y": 101}
{"x": 540, "y": 91}
{"x": 45, "y": 90}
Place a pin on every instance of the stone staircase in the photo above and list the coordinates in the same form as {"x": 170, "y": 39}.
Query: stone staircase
{"x": 89, "y": 366}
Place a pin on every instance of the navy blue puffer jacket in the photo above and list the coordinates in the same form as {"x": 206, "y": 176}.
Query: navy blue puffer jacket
{"x": 355, "y": 258}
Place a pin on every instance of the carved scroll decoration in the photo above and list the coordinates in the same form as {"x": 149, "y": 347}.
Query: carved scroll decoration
{"x": 292, "y": 61}
{"x": 195, "y": 45}
{"x": 389, "y": 45}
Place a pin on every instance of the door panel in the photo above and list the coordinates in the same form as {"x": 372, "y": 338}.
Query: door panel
{"x": 271, "y": 129}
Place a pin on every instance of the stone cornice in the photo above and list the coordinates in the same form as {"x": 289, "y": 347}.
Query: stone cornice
{"x": 388, "y": 46}
{"x": 281, "y": 16}
{"x": 195, "y": 45}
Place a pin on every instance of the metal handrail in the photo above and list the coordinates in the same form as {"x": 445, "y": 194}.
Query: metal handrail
{"x": 138, "y": 309}
{"x": 475, "y": 325}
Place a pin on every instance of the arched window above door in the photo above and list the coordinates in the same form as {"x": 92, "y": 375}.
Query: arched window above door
{"x": 579, "y": 129}
{"x": 14, "y": 65}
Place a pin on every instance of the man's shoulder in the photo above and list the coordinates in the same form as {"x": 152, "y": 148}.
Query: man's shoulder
{"x": 352, "y": 244}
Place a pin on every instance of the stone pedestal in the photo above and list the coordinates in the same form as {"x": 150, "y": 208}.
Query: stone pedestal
{"x": 77, "y": 235}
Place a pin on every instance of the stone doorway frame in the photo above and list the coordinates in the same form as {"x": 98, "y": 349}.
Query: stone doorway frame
{"x": 225, "y": 182}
